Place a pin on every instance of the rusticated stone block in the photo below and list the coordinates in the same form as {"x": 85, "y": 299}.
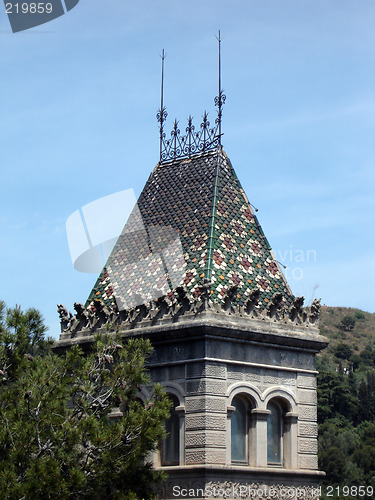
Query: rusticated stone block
{"x": 201, "y": 439}
{"x": 205, "y": 456}
{"x": 235, "y": 372}
{"x": 270, "y": 380}
{"x": 307, "y": 396}
{"x": 270, "y": 377}
{"x": 215, "y": 422}
{"x": 308, "y": 462}
{"x": 307, "y": 429}
{"x": 253, "y": 375}
{"x": 306, "y": 380}
{"x": 206, "y": 386}
{"x": 307, "y": 445}
{"x": 207, "y": 403}
{"x": 307, "y": 412}
{"x": 288, "y": 379}
{"x": 176, "y": 372}
{"x": 215, "y": 370}
{"x": 203, "y": 369}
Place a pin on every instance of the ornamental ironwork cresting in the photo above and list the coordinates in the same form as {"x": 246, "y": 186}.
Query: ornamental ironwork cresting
{"x": 179, "y": 146}
{"x": 193, "y": 142}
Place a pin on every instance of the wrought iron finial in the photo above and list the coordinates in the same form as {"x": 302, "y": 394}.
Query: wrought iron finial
{"x": 189, "y": 131}
{"x": 220, "y": 98}
{"x": 175, "y": 139}
{"x": 162, "y": 114}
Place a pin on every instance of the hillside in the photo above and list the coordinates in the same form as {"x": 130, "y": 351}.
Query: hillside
{"x": 346, "y": 400}
{"x": 351, "y": 333}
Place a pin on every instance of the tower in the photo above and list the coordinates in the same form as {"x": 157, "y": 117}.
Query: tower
{"x": 193, "y": 271}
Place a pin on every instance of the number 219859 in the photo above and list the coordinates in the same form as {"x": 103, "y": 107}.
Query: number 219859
{"x": 26, "y": 8}
{"x": 352, "y": 491}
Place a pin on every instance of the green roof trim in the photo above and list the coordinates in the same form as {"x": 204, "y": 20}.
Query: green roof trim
{"x": 210, "y": 245}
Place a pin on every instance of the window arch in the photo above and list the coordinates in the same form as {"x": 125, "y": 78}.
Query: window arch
{"x": 241, "y": 430}
{"x": 170, "y": 449}
{"x": 275, "y": 433}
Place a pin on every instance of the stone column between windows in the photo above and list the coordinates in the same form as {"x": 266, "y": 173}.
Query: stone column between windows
{"x": 259, "y": 444}
{"x": 180, "y": 410}
{"x": 290, "y": 440}
{"x": 228, "y": 441}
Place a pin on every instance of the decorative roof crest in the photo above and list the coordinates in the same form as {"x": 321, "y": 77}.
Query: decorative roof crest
{"x": 179, "y": 303}
{"x": 205, "y": 139}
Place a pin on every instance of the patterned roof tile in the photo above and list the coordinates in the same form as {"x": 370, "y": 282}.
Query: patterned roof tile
{"x": 192, "y": 221}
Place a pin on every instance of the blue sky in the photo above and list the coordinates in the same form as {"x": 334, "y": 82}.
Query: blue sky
{"x": 77, "y": 108}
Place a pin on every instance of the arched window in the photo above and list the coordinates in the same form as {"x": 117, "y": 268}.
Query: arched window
{"x": 170, "y": 450}
{"x": 275, "y": 434}
{"x": 240, "y": 431}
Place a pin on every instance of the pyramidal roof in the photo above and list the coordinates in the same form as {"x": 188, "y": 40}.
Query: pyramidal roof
{"x": 193, "y": 222}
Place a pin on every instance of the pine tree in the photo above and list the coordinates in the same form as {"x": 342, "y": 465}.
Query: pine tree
{"x": 57, "y": 439}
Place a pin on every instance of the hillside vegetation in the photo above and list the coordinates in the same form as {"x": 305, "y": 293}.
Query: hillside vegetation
{"x": 353, "y": 328}
{"x": 346, "y": 399}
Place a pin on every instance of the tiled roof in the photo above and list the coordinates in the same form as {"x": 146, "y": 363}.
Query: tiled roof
{"x": 192, "y": 221}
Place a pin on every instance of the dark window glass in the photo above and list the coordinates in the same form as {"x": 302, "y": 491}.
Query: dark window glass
{"x": 171, "y": 444}
{"x": 239, "y": 430}
{"x": 274, "y": 434}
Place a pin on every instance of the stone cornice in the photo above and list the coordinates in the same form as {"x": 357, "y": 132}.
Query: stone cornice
{"x": 180, "y": 303}
{"x": 181, "y": 311}
{"x": 222, "y": 469}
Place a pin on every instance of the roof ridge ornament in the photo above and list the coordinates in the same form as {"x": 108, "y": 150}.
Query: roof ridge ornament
{"x": 162, "y": 112}
{"x": 219, "y": 99}
{"x": 180, "y": 303}
{"x": 194, "y": 142}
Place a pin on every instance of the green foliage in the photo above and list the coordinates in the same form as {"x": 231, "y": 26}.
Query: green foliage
{"x": 366, "y": 398}
{"x": 357, "y": 362}
{"x": 332, "y": 461}
{"x": 346, "y": 398}
{"x": 359, "y": 315}
{"x": 57, "y": 439}
{"x": 335, "y": 396}
{"x": 343, "y": 351}
{"x": 338, "y": 442}
{"x": 368, "y": 356}
{"x": 346, "y": 414}
{"x": 347, "y": 323}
